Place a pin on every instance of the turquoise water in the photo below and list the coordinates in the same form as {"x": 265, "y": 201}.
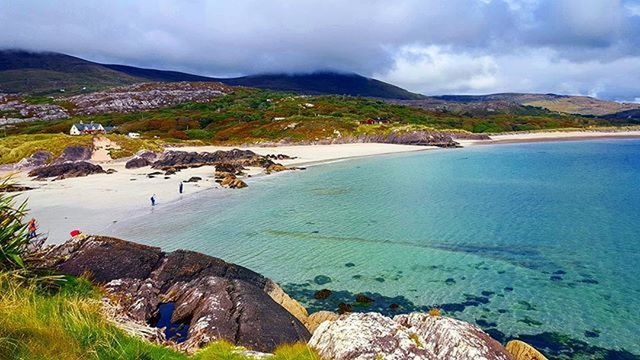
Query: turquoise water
{"x": 540, "y": 241}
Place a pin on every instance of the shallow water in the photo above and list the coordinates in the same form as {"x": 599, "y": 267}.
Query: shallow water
{"x": 523, "y": 239}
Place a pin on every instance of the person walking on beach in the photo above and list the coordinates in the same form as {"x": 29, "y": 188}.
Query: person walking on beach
{"x": 181, "y": 187}
{"x": 153, "y": 200}
{"x": 32, "y": 229}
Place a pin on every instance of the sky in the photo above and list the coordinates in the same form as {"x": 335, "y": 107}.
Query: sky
{"x": 578, "y": 47}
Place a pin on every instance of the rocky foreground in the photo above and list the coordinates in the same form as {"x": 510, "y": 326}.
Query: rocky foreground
{"x": 207, "y": 299}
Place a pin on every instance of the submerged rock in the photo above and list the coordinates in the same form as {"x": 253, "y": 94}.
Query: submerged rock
{"x": 216, "y": 299}
{"x": 66, "y": 170}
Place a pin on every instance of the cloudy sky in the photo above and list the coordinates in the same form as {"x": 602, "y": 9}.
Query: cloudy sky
{"x": 589, "y": 47}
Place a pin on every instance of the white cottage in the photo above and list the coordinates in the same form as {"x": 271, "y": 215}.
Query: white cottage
{"x": 83, "y": 129}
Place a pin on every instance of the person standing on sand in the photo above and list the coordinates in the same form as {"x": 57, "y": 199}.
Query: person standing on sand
{"x": 153, "y": 200}
{"x": 32, "y": 228}
{"x": 181, "y": 186}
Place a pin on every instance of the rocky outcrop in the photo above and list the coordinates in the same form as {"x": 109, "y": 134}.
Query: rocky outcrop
{"x": 137, "y": 162}
{"x": 449, "y": 338}
{"x": 278, "y": 295}
{"x": 39, "y": 158}
{"x": 231, "y": 181}
{"x": 367, "y": 336}
{"x": 234, "y": 169}
{"x": 215, "y": 299}
{"x": 235, "y": 157}
{"x": 314, "y": 320}
{"x": 66, "y": 170}
{"x": 275, "y": 168}
{"x": 145, "y": 96}
{"x": 74, "y": 153}
{"x": 520, "y": 350}
{"x": 412, "y": 336}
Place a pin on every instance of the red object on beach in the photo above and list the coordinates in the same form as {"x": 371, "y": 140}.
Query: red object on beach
{"x": 74, "y": 233}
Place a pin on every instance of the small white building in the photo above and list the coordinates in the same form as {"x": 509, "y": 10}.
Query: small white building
{"x": 133, "y": 135}
{"x": 84, "y": 129}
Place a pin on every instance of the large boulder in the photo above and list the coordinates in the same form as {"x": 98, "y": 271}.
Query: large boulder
{"x": 215, "y": 299}
{"x": 74, "y": 153}
{"x": 66, "y": 170}
{"x": 314, "y": 320}
{"x": 37, "y": 159}
{"x": 136, "y": 163}
{"x": 411, "y": 336}
{"x": 367, "y": 336}
{"x": 520, "y": 350}
{"x": 449, "y": 338}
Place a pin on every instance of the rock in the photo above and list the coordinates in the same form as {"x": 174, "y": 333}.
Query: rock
{"x": 171, "y": 171}
{"x": 520, "y": 350}
{"x": 452, "y": 339}
{"x": 276, "y": 168}
{"x": 292, "y": 306}
{"x": 314, "y": 320}
{"x": 231, "y": 182}
{"x": 216, "y": 299}
{"x": 111, "y": 171}
{"x": 322, "y": 294}
{"x": 344, "y": 308}
{"x": 366, "y": 336}
{"x": 279, "y": 157}
{"x": 66, "y": 170}
{"x": 412, "y": 336}
{"x": 361, "y": 298}
{"x": 137, "y": 162}
{"x": 74, "y": 153}
{"x": 37, "y": 159}
{"x": 14, "y": 188}
{"x": 234, "y": 169}
{"x": 194, "y": 179}
{"x": 222, "y": 159}
{"x": 321, "y": 279}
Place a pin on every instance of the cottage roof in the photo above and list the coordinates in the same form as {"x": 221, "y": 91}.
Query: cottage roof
{"x": 88, "y": 127}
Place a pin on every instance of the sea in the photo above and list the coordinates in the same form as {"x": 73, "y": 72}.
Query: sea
{"x": 535, "y": 241}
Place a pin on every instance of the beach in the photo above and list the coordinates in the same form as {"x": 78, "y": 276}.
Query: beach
{"x": 94, "y": 202}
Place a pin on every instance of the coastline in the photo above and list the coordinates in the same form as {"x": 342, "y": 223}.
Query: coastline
{"x": 93, "y": 203}
{"x": 545, "y": 136}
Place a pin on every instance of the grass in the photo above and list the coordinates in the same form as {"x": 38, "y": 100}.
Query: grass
{"x": 13, "y": 148}
{"x": 69, "y": 324}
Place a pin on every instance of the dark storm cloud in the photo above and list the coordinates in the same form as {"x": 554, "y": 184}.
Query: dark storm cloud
{"x": 474, "y": 45}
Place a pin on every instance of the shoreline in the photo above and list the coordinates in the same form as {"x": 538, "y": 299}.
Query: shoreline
{"x": 96, "y": 202}
{"x": 552, "y": 136}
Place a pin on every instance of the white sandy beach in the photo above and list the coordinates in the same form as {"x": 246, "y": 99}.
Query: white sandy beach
{"x": 552, "y": 136}
{"x": 94, "y": 202}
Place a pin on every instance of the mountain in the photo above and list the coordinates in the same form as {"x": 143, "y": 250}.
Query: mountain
{"x": 46, "y": 73}
{"x": 526, "y": 104}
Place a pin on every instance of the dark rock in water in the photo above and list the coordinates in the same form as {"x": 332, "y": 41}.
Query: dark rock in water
{"x": 592, "y": 333}
{"x": 394, "y": 306}
{"x": 39, "y": 158}
{"x": 349, "y": 264}
{"x": 450, "y": 281}
{"x": 66, "y": 170}
{"x": 379, "y": 279}
{"x": 344, "y": 308}
{"x": 508, "y": 289}
{"x": 487, "y": 293}
{"x": 555, "y": 278}
{"x": 74, "y": 153}
{"x": 559, "y": 272}
{"x": 588, "y": 281}
{"x": 485, "y": 324}
{"x": 322, "y": 294}
{"x": 362, "y": 298}
{"x": 213, "y": 298}
{"x": 321, "y": 279}
{"x": 137, "y": 162}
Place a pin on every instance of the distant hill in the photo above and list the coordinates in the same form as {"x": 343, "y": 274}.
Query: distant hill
{"x": 525, "y": 104}
{"x": 47, "y": 73}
